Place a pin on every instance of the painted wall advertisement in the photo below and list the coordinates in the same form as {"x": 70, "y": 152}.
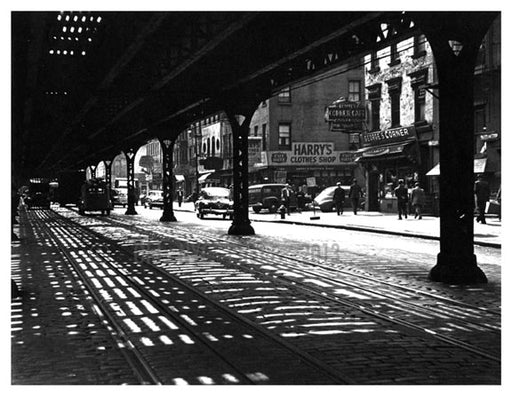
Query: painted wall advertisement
{"x": 310, "y": 154}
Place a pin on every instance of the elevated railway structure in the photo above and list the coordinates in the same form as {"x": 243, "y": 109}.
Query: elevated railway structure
{"x": 89, "y": 85}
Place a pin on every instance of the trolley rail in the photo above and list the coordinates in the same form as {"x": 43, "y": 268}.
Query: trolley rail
{"x": 402, "y": 312}
{"x": 148, "y": 284}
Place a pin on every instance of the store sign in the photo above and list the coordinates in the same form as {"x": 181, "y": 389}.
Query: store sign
{"x": 310, "y": 154}
{"x": 345, "y": 116}
{"x": 387, "y": 136}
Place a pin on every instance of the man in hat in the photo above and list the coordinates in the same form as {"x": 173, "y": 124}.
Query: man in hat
{"x": 339, "y": 198}
{"x": 355, "y": 194}
{"x": 482, "y": 195}
{"x": 417, "y": 200}
{"x": 402, "y": 197}
{"x": 286, "y": 196}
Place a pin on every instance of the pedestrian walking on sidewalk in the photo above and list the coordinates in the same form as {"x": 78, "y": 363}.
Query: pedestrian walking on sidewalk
{"x": 417, "y": 200}
{"x": 482, "y": 194}
{"x": 339, "y": 198}
{"x": 402, "y": 197}
{"x": 355, "y": 194}
{"x": 301, "y": 197}
{"x": 180, "y": 197}
{"x": 285, "y": 197}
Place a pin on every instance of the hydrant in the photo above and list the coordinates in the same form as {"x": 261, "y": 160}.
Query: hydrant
{"x": 282, "y": 210}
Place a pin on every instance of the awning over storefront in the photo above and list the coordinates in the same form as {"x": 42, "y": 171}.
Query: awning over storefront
{"x": 179, "y": 178}
{"x": 203, "y": 177}
{"x": 384, "y": 151}
{"x": 478, "y": 167}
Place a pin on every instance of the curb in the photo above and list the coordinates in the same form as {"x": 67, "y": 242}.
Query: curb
{"x": 363, "y": 229}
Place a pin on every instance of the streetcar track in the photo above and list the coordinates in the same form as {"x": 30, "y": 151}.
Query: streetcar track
{"x": 311, "y": 360}
{"x": 345, "y": 302}
{"x": 364, "y": 277}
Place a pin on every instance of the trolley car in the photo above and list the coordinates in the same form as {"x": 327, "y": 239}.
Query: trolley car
{"x": 95, "y": 197}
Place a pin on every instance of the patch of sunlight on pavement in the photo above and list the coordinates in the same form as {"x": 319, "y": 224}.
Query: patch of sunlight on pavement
{"x": 352, "y": 294}
{"x": 317, "y": 282}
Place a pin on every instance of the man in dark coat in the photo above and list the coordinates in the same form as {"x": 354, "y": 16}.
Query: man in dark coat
{"x": 355, "y": 194}
{"x": 482, "y": 194}
{"x": 339, "y": 198}
{"x": 402, "y": 197}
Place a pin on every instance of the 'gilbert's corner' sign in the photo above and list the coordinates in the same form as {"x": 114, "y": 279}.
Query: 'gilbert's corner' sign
{"x": 345, "y": 116}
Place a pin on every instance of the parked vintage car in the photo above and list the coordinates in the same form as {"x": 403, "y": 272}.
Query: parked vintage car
{"x": 214, "y": 200}
{"x": 268, "y": 196}
{"x": 120, "y": 196}
{"x": 154, "y": 199}
{"x": 324, "y": 200}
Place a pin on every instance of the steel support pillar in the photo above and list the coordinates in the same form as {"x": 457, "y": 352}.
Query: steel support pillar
{"x": 241, "y": 224}
{"x": 455, "y": 48}
{"x": 108, "y": 178}
{"x": 167, "y": 179}
{"x": 130, "y": 173}
{"x": 92, "y": 168}
{"x": 108, "y": 172}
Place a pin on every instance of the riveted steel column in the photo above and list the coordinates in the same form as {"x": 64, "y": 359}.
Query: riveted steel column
{"x": 92, "y": 168}
{"x": 130, "y": 173}
{"x": 241, "y": 224}
{"x": 455, "y": 48}
{"x": 167, "y": 179}
{"x": 108, "y": 172}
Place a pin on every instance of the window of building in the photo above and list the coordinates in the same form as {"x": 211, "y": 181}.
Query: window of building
{"x": 395, "y": 90}
{"x": 374, "y": 95}
{"x": 284, "y": 95}
{"x": 255, "y": 130}
{"x": 264, "y": 103}
{"x": 375, "y": 114}
{"x": 284, "y": 136}
{"x": 418, "y": 80}
{"x": 354, "y": 90}
{"x": 419, "y": 105}
{"x": 264, "y": 136}
{"x": 420, "y": 47}
{"x": 394, "y": 96}
{"x": 480, "y": 59}
{"x": 374, "y": 62}
{"x": 394, "y": 55}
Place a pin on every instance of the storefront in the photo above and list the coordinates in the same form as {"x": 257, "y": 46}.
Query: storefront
{"x": 388, "y": 156}
{"x": 312, "y": 164}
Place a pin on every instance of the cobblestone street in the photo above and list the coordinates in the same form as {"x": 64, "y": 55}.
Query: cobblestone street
{"x": 355, "y": 309}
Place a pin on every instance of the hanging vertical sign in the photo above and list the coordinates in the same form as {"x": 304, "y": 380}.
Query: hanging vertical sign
{"x": 345, "y": 116}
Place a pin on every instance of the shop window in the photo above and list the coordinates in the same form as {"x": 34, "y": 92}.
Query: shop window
{"x": 354, "y": 90}
{"x": 284, "y": 136}
{"x": 394, "y": 55}
{"x": 284, "y": 96}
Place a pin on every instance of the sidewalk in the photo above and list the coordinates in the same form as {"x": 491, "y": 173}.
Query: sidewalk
{"x": 387, "y": 223}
